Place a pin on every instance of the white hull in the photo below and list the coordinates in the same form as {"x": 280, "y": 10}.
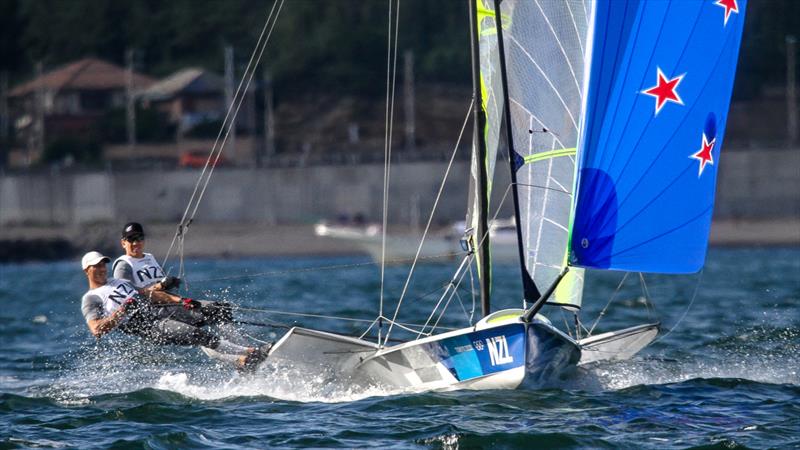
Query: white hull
{"x": 504, "y": 355}
{"x": 617, "y": 345}
{"x": 403, "y": 247}
{"x": 500, "y": 352}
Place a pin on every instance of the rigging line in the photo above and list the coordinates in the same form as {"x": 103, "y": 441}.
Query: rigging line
{"x": 321, "y": 316}
{"x": 446, "y": 305}
{"x": 391, "y": 72}
{"x": 374, "y": 321}
{"x": 566, "y": 324}
{"x": 463, "y": 308}
{"x": 433, "y": 211}
{"x": 260, "y": 341}
{"x": 486, "y": 235}
{"x": 179, "y": 231}
{"x": 496, "y": 213}
{"x": 646, "y": 295}
{"x": 613, "y": 296}
{"x": 466, "y": 262}
{"x": 471, "y": 315}
{"x": 265, "y": 323}
{"x": 406, "y": 328}
{"x": 694, "y": 296}
{"x": 321, "y": 268}
{"x": 649, "y": 298}
{"x": 288, "y": 313}
{"x": 538, "y": 186}
{"x": 238, "y": 107}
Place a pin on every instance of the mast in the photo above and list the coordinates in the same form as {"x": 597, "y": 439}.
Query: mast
{"x": 482, "y": 233}
{"x": 530, "y": 291}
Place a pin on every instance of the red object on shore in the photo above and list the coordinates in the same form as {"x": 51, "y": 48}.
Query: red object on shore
{"x": 198, "y": 158}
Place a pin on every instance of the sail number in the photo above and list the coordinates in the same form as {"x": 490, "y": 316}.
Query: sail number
{"x": 498, "y": 350}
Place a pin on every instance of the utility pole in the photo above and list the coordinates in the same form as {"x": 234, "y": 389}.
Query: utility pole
{"x": 5, "y": 145}
{"x": 130, "y": 103}
{"x": 408, "y": 100}
{"x": 791, "y": 90}
{"x": 36, "y": 138}
{"x": 229, "y": 92}
{"x": 269, "y": 118}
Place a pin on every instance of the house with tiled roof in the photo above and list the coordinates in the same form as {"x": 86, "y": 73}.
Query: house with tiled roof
{"x": 188, "y": 97}
{"x": 83, "y": 86}
{"x": 70, "y": 99}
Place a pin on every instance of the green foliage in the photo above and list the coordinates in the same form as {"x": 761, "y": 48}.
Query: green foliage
{"x": 81, "y": 150}
{"x": 316, "y": 44}
{"x": 763, "y": 52}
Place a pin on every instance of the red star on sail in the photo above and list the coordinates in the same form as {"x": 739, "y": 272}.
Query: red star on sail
{"x": 664, "y": 90}
{"x": 730, "y": 6}
{"x": 704, "y": 154}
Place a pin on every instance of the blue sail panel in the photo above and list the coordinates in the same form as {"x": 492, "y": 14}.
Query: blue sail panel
{"x": 658, "y": 94}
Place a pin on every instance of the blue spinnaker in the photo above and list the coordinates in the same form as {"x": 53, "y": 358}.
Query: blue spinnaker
{"x": 658, "y": 95}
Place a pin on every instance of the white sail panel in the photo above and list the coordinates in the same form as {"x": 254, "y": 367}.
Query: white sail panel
{"x": 545, "y": 45}
{"x": 491, "y": 105}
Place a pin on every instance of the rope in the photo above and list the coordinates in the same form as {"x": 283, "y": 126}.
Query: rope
{"x": 651, "y": 307}
{"x": 444, "y": 309}
{"x": 694, "y": 296}
{"x": 315, "y": 316}
{"x": 613, "y": 296}
{"x": 460, "y": 272}
{"x": 322, "y": 316}
{"x": 471, "y": 316}
{"x": 319, "y": 268}
{"x": 430, "y": 217}
{"x": 391, "y": 73}
{"x": 227, "y": 123}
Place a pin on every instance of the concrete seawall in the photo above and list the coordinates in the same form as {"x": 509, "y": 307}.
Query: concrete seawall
{"x": 753, "y": 184}
{"x": 268, "y": 211}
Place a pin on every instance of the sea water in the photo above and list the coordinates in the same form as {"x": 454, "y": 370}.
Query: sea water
{"x": 723, "y": 374}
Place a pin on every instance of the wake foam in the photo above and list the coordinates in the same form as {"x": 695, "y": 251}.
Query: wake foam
{"x": 127, "y": 367}
{"x": 281, "y": 383}
{"x": 760, "y": 354}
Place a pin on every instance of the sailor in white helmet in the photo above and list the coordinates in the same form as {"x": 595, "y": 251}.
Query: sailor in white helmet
{"x": 113, "y": 303}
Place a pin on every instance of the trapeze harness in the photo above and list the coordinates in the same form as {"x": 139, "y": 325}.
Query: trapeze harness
{"x": 146, "y": 270}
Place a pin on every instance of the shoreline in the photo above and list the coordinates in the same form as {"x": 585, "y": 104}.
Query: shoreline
{"x": 30, "y": 243}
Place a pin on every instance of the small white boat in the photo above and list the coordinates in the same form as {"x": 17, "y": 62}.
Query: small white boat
{"x": 401, "y": 247}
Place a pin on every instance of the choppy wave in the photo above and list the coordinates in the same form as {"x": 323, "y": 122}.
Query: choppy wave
{"x": 726, "y": 377}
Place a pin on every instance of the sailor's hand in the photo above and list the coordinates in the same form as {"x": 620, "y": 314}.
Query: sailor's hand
{"x": 189, "y": 303}
{"x": 170, "y": 282}
{"x": 130, "y": 305}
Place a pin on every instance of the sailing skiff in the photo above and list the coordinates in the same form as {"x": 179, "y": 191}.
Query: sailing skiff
{"x": 612, "y": 115}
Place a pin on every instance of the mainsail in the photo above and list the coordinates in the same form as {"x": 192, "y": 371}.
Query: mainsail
{"x": 661, "y": 79}
{"x": 545, "y": 44}
{"x": 486, "y": 137}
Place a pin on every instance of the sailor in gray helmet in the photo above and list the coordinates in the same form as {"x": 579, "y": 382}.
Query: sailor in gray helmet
{"x": 113, "y": 303}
